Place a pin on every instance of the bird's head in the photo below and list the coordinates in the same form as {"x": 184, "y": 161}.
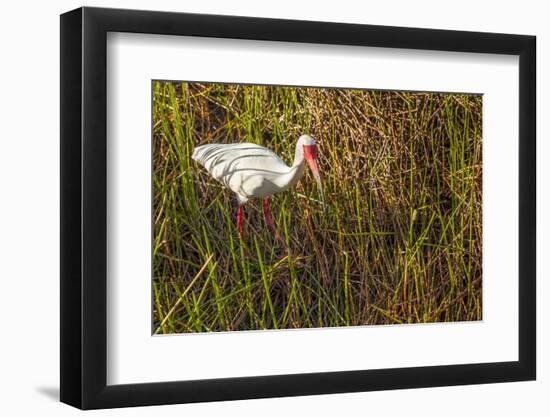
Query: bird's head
{"x": 310, "y": 152}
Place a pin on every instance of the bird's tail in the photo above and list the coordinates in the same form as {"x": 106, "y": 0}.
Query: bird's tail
{"x": 197, "y": 153}
{"x": 203, "y": 153}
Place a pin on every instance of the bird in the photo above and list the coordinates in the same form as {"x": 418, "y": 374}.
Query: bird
{"x": 253, "y": 171}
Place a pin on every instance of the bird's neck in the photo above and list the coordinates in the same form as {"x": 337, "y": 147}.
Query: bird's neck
{"x": 295, "y": 172}
{"x": 291, "y": 178}
{"x": 298, "y": 156}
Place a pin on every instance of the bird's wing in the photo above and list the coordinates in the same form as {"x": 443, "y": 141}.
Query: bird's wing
{"x": 241, "y": 167}
{"x": 222, "y": 159}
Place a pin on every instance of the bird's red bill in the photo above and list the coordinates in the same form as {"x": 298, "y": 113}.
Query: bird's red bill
{"x": 310, "y": 155}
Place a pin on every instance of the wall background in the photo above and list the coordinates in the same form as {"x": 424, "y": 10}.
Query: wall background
{"x": 29, "y": 220}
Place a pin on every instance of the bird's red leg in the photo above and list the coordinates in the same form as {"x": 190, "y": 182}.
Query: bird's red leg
{"x": 240, "y": 221}
{"x": 271, "y": 223}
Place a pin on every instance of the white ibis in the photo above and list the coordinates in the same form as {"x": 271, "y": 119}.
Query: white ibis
{"x": 253, "y": 171}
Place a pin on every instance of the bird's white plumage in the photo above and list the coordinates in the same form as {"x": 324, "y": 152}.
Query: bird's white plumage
{"x": 248, "y": 169}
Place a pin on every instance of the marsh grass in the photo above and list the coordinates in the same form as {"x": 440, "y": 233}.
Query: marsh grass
{"x": 400, "y": 241}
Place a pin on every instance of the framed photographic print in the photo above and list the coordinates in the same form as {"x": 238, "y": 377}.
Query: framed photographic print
{"x": 255, "y": 208}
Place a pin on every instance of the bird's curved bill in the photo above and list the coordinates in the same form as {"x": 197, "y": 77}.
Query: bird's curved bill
{"x": 310, "y": 155}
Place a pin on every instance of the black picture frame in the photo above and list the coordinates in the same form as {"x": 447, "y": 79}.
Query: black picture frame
{"x": 84, "y": 207}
